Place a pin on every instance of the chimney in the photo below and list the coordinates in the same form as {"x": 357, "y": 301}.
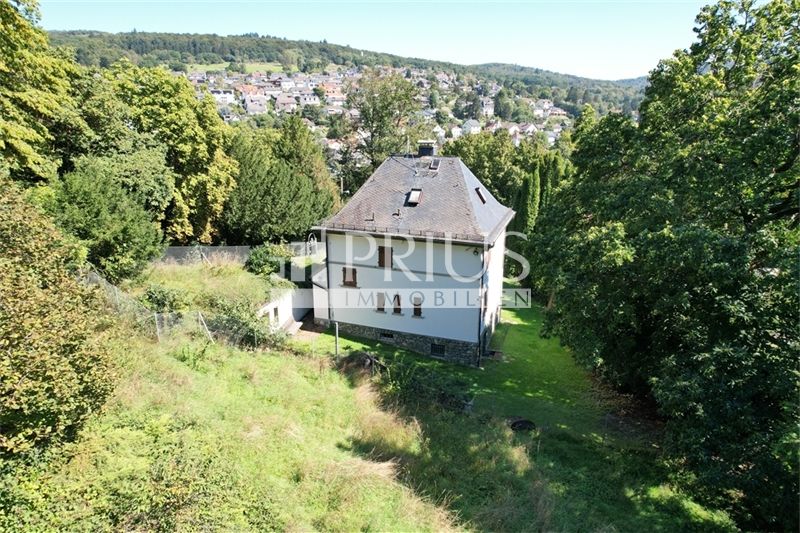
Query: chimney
{"x": 426, "y": 147}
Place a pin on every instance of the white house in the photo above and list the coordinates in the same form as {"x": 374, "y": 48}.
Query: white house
{"x": 308, "y": 98}
{"x": 223, "y": 96}
{"x": 415, "y": 259}
{"x": 487, "y": 107}
{"x": 471, "y": 127}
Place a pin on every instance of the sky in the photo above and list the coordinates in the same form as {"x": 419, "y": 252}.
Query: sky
{"x": 591, "y": 38}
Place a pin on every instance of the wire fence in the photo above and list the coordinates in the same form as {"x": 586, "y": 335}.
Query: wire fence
{"x": 240, "y": 331}
{"x": 206, "y": 254}
{"x": 229, "y": 254}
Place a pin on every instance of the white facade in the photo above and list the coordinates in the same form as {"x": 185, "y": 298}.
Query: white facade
{"x": 467, "y": 277}
{"x": 223, "y": 96}
{"x": 287, "y": 308}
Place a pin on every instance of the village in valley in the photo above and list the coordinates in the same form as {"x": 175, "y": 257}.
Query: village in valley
{"x": 451, "y": 105}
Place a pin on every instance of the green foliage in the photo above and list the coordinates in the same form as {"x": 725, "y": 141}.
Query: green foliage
{"x": 468, "y": 106}
{"x": 527, "y": 203}
{"x": 236, "y": 320}
{"x": 202, "y": 284}
{"x": 54, "y": 369}
{"x": 504, "y": 169}
{"x": 670, "y": 256}
{"x": 409, "y": 383}
{"x": 592, "y": 463}
{"x": 276, "y": 196}
{"x": 386, "y": 105}
{"x": 268, "y": 259}
{"x": 164, "y": 299}
{"x": 491, "y": 157}
{"x": 298, "y": 148}
{"x": 34, "y": 87}
{"x": 195, "y": 138}
{"x": 503, "y": 105}
{"x": 91, "y": 204}
{"x": 202, "y": 436}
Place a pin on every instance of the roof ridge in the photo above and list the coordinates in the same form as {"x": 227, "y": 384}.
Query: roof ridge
{"x": 473, "y": 219}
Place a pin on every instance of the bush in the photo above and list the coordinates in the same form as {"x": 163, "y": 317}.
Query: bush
{"x": 164, "y": 299}
{"x": 411, "y": 383}
{"x": 53, "y": 368}
{"x": 237, "y": 321}
{"x": 268, "y": 259}
{"x": 118, "y": 232}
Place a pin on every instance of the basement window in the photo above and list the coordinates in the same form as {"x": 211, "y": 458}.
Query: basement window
{"x": 480, "y": 194}
{"x": 437, "y": 349}
{"x": 415, "y": 196}
{"x": 385, "y": 335}
{"x": 349, "y": 277}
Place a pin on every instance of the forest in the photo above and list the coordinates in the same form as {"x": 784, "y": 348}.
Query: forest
{"x": 663, "y": 251}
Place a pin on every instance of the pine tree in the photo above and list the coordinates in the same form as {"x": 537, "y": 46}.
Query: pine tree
{"x": 274, "y": 199}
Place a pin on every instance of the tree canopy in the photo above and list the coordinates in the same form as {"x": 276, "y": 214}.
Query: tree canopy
{"x": 385, "y": 105}
{"x": 670, "y": 256}
{"x": 283, "y": 187}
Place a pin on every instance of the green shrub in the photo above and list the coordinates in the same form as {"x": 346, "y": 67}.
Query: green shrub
{"x": 118, "y": 232}
{"x": 53, "y": 367}
{"x": 269, "y": 259}
{"x": 237, "y": 321}
{"x": 164, "y": 299}
{"x": 410, "y": 383}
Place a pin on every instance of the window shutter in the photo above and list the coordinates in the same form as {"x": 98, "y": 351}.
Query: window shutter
{"x": 349, "y": 277}
{"x": 381, "y": 302}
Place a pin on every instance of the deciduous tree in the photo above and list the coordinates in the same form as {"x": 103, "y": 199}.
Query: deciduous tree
{"x": 386, "y": 105}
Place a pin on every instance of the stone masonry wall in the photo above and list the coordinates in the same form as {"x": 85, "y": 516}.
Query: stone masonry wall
{"x": 465, "y": 353}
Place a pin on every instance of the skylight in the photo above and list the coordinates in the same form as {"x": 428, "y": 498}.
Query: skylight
{"x": 480, "y": 194}
{"x": 435, "y": 164}
{"x": 414, "y": 196}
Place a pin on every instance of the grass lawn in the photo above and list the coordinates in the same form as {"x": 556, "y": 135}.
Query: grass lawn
{"x": 206, "y": 67}
{"x": 202, "y": 284}
{"x": 263, "y": 67}
{"x": 585, "y": 467}
{"x": 204, "y": 437}
{"x": 201, "y": 436}
{"x": 249, "y": 67}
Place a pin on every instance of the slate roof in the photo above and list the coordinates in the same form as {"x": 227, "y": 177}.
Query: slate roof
{"x": 450, "y": 207}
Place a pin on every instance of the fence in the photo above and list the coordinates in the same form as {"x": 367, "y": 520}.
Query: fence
{"x": 196, "y": 254}
{"x": 236, "y": 254}
{"x": 235, "y": 330}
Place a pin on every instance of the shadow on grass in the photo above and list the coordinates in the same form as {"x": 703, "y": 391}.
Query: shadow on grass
{"x": 494, "y": 479}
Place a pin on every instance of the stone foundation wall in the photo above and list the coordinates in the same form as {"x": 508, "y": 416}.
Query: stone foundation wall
{"x": 465, "y": 353}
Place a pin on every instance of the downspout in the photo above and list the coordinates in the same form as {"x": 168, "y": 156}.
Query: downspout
{"x": 328, "y": 276}
{"x": 482, "y": 310}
